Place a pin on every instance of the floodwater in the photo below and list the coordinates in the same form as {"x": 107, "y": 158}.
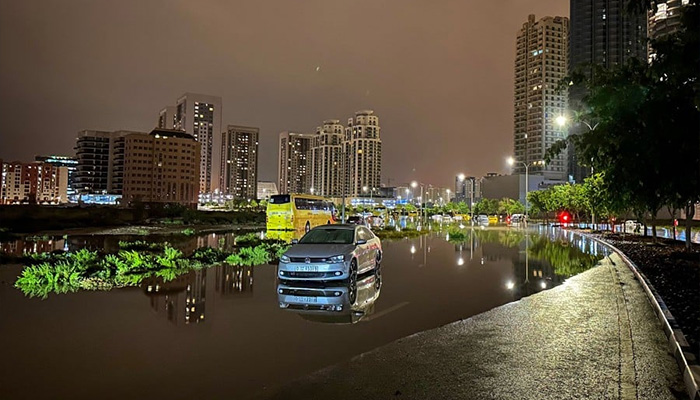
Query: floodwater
{"x": 220, "y": 333}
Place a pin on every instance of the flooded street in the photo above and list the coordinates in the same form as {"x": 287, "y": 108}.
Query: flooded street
{"x": 220, "y": 332}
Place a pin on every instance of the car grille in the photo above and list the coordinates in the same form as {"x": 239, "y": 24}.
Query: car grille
{"x": 293, "y": 274}
{"x": 311, "y": 293}
{"x": 311, "y": 259}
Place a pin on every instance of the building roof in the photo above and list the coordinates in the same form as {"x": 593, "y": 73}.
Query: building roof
{"x": 171, "y": 133}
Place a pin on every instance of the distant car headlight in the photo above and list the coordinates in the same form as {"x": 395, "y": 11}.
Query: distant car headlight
{"x": 284, "y": 259}
{"x": 336, "y": 259}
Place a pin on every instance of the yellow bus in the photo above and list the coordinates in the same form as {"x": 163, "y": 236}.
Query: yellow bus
{"x": 298, "y": 212}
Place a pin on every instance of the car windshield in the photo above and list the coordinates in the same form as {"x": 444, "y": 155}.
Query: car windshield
{"x": 354, "y": 219}
{"x": 328, "y": 235}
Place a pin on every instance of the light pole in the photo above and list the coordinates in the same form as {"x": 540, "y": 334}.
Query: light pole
{"x": 461, "y": 178}
{"x": 511, "y": 162}
{"x": 414, "y": 184}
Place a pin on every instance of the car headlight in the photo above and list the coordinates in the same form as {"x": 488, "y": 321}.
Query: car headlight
{"x": 284, "y": 259}
{"x": 336, "y": 259}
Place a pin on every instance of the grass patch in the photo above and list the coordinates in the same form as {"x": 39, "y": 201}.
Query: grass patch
{"x": 48, "y": 273}
{"x": 392, "y": 233}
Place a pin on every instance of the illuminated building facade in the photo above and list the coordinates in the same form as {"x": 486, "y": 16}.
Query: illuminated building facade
{"x": 161, "y": 167}
{"x": 362, "y": 154}
{"x": 294, "y": 168}
{"x": 327, "y": 159}
{"x": 239, "y": 162}
{"x": 541, "y": 61}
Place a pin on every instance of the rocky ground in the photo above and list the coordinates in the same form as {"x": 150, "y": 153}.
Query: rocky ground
{"x": 674, "y": 272}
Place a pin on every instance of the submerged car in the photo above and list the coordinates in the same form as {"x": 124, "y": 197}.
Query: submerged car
{"x": 483, "y": 219}
{"x": 331, "y": 252}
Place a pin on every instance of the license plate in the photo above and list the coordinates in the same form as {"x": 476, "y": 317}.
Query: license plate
{"x": 307, "y": 268}
{"x": 304, "y": 299}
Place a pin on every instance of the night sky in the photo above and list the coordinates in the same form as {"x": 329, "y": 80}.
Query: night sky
{"x": 439, "y": 74}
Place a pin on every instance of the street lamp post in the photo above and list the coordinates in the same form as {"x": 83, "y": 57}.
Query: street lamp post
{"x": 512, "y": 161}
{"x": 414, "y": 184}
{"x": 462, "y": 177}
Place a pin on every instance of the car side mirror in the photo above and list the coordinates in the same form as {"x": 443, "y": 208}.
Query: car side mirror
{"x": 361, "y": 241}
{"x": 295, "y": 241}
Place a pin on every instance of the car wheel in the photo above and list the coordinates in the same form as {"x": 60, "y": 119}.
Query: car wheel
{"x": 352, "y": 281}
{"x": 307, "y": 227}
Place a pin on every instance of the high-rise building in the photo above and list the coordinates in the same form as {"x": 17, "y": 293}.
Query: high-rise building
{"x": 541, "y": 61}
{"x": 362, "y": 156}
{"x": 605, "y": 33}
{"x": 161, "y": 167}
{"x": 266, "y": 189}
{"x": 71, "y": 163}
{"x": 327, "y": 159}
{"x": 166, "y": 118}
{"x": 665, "y": 21}
{"x": 33, "y": 183}
{"x": 100, "y": 167}
{"x": 239, "y": 161}
{"x": 294, "y": 162}
{"x": 200, "y": 116}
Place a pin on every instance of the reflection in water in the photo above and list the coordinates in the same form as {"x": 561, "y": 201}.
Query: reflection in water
{"x": 183, "y": 300}
{"x": 332, "y": 302}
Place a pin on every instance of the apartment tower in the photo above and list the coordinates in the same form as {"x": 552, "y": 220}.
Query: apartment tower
{"x": 327, "y": 158}
{"x": 362, "y": 154}
{"x": 541, "y": 61}
{"x": 239, "y": 161}
{"x": 200, "y": 116}
{"x": 294, "y": 170}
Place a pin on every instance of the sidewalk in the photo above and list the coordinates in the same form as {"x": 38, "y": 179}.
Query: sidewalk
{"x": 594, "y": 337}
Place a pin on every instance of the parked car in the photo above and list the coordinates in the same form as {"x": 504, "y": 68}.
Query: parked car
{"x": 331, "y": 252}
{"x": 482, "y": 219}
{"x": 493, "y": 219}
{"x": 357, "y": 220}
{"x": 516, "y": 219}
{"x": 632, "y": 226}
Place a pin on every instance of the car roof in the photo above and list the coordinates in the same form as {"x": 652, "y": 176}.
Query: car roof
{"x": 337, "y": 226}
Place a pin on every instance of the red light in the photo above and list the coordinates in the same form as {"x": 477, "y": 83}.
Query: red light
{"x": 564, "y": 217}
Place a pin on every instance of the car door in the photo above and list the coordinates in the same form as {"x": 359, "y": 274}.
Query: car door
{"x": 362, "y": 249}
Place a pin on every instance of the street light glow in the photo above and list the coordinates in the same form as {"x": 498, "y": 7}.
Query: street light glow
{"x": 414, "y": 184}
{"x": 510, "y": 161}
{"x": 461, "y": 177}
{"x": 561, "y": 120}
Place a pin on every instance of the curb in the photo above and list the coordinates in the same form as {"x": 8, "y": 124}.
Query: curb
{"x": 686, "y": 360}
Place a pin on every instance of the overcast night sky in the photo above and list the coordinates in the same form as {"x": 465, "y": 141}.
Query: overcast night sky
{"x": 439, "y": 74}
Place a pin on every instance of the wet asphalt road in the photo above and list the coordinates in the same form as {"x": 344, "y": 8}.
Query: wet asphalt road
{"x": 595, "y": 337}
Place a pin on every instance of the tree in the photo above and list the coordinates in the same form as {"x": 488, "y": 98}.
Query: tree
{"x": 646, "y": 116}
{"x": 510, "y": 206}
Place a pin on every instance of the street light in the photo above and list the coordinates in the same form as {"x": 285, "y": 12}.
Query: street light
{"x": 461, "y": 178}
{"x": 415, "y": 184}
{"x": 511, "y": 162}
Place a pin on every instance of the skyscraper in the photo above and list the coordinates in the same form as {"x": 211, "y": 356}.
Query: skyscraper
{"x": 239, "y": 161}
{"x": 327, "y": 159}
{"x": 603, "y": 33}
{"x": 666, "y": 20}
{"x": 71, "y": 163}
{"x": 294, "y": 162}
{"x": 362, "y": 153}
{"x": 166, "y": 118}
{"x": 200, "y": 116}
{"x": 540, "y": 63}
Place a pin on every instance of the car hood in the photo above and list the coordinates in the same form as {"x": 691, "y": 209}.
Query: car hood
{"x": 319, "y": 250}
